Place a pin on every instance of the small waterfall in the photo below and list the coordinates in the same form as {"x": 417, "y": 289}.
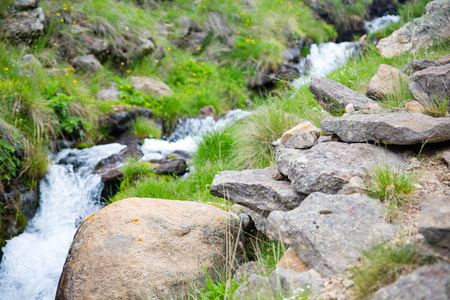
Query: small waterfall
{"x": 379, "y": 23}
{"x": 70, "y": 192}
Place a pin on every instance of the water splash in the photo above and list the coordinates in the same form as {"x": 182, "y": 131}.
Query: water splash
{"x": 33, "y": 261}
{"x": 380, "y": 23}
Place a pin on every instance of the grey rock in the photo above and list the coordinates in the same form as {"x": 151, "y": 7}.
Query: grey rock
{"x": 434, "y": 219}
{"x": 256, "y": 288}
{"x": 432, "y": 28}
{"x": 25, "y": 4}
{"x": 327, "y": 167}
{"x": 431, "y": 84}
{"x": 246, "y": 270}
{"x": 24, "y": 26}
{"x": 446, "y": 157}
{"x": 151, "y": 86}
{"x": 78, "y": 29}
{"x": 285, "y": 281}
{"x": 118, "y": 123}
{"x": 30, "y": 59}
{"x": 329, "y": 232}
{"x": 171, "y": 167}
{"x": 419, "y": 65}
{"x": 430, "y": 282}
{"x": 95, "y": 45}
{"x": 109, "y": 94}
{"x": 302, "y": 140}
{"x": 388, "y": 128}
{"x": 257, "y": 220}
{"x": 256, "y": 189}
{"x": 246, "y": 222}
{"x": 291, "y": 54}
{"x": 87, "y": 63}
{"x": 144, "y": 46}
{"x": 334, "y": 97}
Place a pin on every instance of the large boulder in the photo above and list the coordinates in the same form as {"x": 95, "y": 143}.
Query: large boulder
{"x": 141, "y": 248}
{"x": 432, "y": 28}
{"x": 87, "y": 63}
{"x": 386, "y": 82}
{"x": 430, "y": 282}
{"x": 334, "y": 96}
{"x": 151, "y": 86}
{"x": 327, "y": 167}
{"x": 329, "y": 232}
{"x": 257, "y": 190}
{"x": 434, "y": 219}
{"x": 388, "y": 128}
{"x": 431, "y": 84}
{"x": 24, "y": 26}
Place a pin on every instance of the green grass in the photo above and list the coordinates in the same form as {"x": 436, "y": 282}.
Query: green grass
{"x": 382, "y": 265}
{"x": 144, "y": 128}
{"x": 436, "y": 108}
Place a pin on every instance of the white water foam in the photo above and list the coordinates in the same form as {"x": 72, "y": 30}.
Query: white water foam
{"x": 188, "y": 134}
{"x": 33, "y": 261}
{"x": 379, "y": 23}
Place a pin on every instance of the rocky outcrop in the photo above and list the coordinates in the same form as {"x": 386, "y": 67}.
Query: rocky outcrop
{"x": 328, "y": 232}
{"x": 388, "y": 128}
{"x": 432, "y": 28}
{"x": 429, "y": 282}
{"x": 386, "y": 82}
{"x": 327, "y": 167}
{"x": 146, "y": 248}
{"x": 257, "y": 190}
{"x": 431, "y": 84}
{"x": 151, "y": 86}
{"x": 24, "y": 26}
{"x": 87, "y": 63}
{"x": 334, "y": 97}
{"x": 434, "y": 220}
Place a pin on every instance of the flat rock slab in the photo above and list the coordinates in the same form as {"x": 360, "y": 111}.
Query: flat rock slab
{"x": 327, "y": 167}
{"x": 141, "y": 248}
{"x": 388, "y": 128}
{"x": 334, "y": 97}
{"x": 257, "y": 190}
{"x": 328, "y": 232}
{"x": 434, "y": 219}
{"x": 430, "y": 282}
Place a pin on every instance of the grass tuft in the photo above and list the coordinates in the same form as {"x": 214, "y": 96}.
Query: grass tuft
{"x": 144, "y": 128}
{"x": 436, "y": 108}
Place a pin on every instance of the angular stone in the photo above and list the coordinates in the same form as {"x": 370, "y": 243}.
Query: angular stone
{"x": 432, "y": 28}
{"x": 290, "y": 260}
{"x": 87, "y": 63}
{"x": 329, "y": 232}
{"x": 146, "y": 249}
{"x": 446, "y": 157}
{"x": 334, "y": 97}
{"x": 257, "y": 219}
{"x": 386, "y": 82}
{"x": 302, "y": 140}
{"x": 327, "y": 167}
{"x": 302, "y": 127}
{"x": 171, "y": 167}
{"x": 418, "y": 65}
{"x": 151, "y": 86}
{"x": 434, "y": 219}
{"x": 109, "y": 168}
{"x": 256, "y": 189}
{"x": 24, "y": 26}
{"x": 109, "y": 94}
{"x": 414, "y": 107}
{"x": 388, "y": 128}
{"x": 431, "y": 84}
{"x": 285, "y": 281}
{"x": 430, "y": 282}
{"x": 25, "y": 4}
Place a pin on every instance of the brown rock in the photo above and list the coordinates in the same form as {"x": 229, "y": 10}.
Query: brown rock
{"x": 142, "y": 248}
{"x": 207, "y": 111}
{"x": 291, "y": 260}
{"x": 414, "y": 106}
{"x": 444, "y": 59}
{"x": 305, "y": 126}
{"x": 386, "y": 82}
{"x": 151, "y": 86}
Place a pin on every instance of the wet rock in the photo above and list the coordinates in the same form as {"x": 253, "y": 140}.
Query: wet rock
{"x": 430, "y": 282}
{"x": 434, "y": 219}
{"x": 431, "y": 84}
{"x": 334, "y": 97}
{"x": 151, "y": 86}
{"x": 109, "y": 168}
{"x": 246, "y": 270}
{"x": 256, "y": 189}
{"x": 388, "y": 128}
{"x": 302, "y": 127}
{"x": 432, "y": 28}
{"x": 328, "y": 232}
{"x": 290, "y": 260}
{"x": 419, "y": 65}
{"x": 327, "y": 167}
{"x": 109, "y": 94}
{"x": 171, "y": 167}
{"x": 87, "y": 63}
{"x": 118, "y": 123}
{"x": 25, "y": 25}
{"x": 257, "y": 287}
{"x": 386, "y": 82}
{"x": 138, "y": 244}
{"x": 207, "y": 111}
{"x": 25, "y": 4}
{"x": 285, "y": 281}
